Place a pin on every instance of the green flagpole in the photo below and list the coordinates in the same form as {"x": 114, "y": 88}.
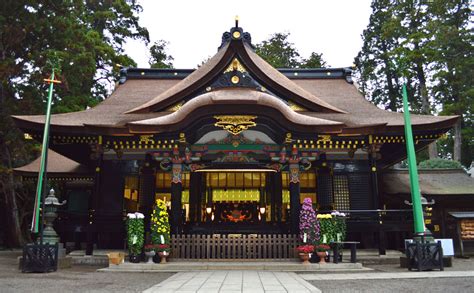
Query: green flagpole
{"x": 413, "y": 171}
{"x": 41, "y": 187}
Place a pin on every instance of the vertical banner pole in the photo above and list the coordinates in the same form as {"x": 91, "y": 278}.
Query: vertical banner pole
{"x": 42, "y": 177}
{"x": 412, "y": 169}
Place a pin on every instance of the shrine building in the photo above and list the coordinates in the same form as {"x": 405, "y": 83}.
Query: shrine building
{"x": 234, "y": 147}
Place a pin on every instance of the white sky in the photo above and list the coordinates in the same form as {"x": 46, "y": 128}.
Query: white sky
{"x": 194, "y": 28}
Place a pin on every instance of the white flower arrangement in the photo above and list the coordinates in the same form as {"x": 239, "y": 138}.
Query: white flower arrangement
{"x": 135, "y": 216}
{"x": 338, "y": 214}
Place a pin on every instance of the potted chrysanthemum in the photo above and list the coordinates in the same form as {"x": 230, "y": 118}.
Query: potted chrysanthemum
{"x": 309, "y": 230}
{"x": 135, "y": 235}
{"x": 160, "y": 231}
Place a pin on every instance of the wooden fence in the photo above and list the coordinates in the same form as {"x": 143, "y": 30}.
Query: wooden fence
{"x": 206, "y": 247}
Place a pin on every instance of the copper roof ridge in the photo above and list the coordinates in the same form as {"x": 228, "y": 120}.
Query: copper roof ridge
{"x": 228, "y": 97}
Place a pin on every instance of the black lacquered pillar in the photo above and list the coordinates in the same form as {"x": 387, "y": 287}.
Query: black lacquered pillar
{"x": 294, "y": 197}
{"x": 146, "y": 197}
{"x": 176, "y": 197}
{"x": 375, "y": 196}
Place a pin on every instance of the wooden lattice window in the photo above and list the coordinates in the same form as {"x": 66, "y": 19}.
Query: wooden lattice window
{"x": 341, "y": 192}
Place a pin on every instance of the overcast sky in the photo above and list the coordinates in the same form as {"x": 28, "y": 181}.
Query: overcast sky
{"x": 194, "y": 28}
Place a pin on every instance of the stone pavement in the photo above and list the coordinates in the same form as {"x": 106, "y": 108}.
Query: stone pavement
{"x": 233, "y": 281}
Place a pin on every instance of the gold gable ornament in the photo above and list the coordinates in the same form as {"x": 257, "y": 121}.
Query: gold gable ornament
{"x": 235, "y": 124}
{"x": 235, "y": 65}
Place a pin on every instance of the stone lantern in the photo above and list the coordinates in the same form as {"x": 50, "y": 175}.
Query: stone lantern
{"x": 51, "y": 204}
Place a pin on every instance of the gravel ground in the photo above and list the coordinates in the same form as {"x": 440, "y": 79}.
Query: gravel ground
{"x": 75, "y": 279}
{"x": 444, "y": 285}
{"x": 87, "y": 279}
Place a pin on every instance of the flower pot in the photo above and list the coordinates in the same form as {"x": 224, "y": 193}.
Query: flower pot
{"x": 133, "y": 258}
{"x": 150, "y": 255}
{"x": 163, "y": 255}
{"x": 116, "y": 258}
{"x": 322, "y": 256}
{"x": 304, "y": 257}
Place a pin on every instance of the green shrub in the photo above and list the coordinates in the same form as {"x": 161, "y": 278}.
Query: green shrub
{"x": 440, "y": 164}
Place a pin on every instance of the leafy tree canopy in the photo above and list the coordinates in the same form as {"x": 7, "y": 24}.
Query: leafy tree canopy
{"x": 88, "y": 36}
{"x": 428, "y": 45}
{"x": 159, "y": 57}
{"x": 279, "y": 52}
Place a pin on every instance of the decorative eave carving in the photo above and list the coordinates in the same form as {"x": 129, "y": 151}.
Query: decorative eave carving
{"x": 235, "y": 124}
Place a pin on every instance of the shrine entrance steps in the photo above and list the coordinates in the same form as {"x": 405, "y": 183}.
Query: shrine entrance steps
{"x": 272, "y": 266}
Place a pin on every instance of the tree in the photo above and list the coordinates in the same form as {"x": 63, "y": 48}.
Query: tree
{"x": 88, "y": 36}
{"x": 159, "y": 58}
{"x": 281, "y": 53}
{"x": 414, "y": 54}
{"x": 378, "y": 75}
{"x": 454, "y": 59}
{"x": 426, "y": 45}
{"x": 315, "y": 60}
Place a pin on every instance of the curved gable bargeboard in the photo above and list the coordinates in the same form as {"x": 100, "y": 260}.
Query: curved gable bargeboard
{"x": 233, "y": 101}
{"x": 267, "y": 76}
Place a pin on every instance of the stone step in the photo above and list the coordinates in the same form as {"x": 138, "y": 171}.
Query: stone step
{"x": 239, "y": 266}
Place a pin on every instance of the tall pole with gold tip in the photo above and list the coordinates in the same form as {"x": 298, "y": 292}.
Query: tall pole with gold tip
{"x": 42, "y": 175}
{"x": 236, "y": 21}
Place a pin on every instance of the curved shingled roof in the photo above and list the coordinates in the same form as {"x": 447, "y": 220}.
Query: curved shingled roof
{"x": 233, "y": 97}
{"x": 147, "y": 94}
{"x": 259, "y": 69}
{"x": 58, "y": 165}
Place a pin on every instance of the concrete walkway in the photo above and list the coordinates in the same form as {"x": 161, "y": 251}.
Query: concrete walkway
{"x": 233, "y": 281}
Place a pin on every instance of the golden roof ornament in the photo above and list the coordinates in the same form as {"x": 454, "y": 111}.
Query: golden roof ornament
{"x": 235, "y": 124}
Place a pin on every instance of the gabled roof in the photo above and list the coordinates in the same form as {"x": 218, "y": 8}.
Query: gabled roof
{"x": 240, "y": 97}
{"x": 240, "y": 49}
{"x": 325, "y": 98}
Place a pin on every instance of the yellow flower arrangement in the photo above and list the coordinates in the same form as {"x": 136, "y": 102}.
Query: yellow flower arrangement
{"x": 159, "y": 224}
{"x": 324, "y": 216}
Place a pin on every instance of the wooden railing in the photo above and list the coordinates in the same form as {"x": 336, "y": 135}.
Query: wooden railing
{"x": 206, "y": 247}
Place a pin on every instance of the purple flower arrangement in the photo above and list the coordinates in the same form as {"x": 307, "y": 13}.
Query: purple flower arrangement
{"x": 309, "y": 225}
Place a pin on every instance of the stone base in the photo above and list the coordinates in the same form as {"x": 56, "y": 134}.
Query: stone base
{"x": 447, "y": 261}
{"x": 179, "y": 266}
{"x": 63, "y": 262}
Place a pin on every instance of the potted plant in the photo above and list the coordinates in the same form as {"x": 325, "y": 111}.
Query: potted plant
{"x": 304, "y": 251}
{"x": 135, "y": 235}
{"x": 309, "y": 230}
{"x": 339, "y": 223}
{"x": 163, "y": 251}
{"x": 321, "y": 251}
{"x": 150, "y": 252}
{"x": 160, "y": 231}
